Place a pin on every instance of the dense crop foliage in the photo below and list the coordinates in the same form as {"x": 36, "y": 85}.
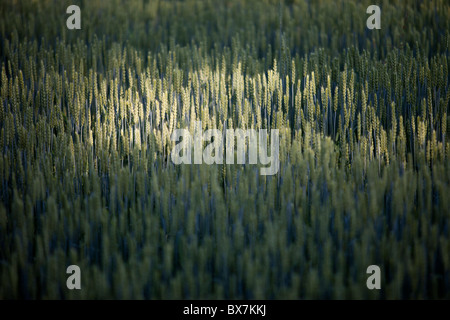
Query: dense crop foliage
{"x": 85, "y": 170}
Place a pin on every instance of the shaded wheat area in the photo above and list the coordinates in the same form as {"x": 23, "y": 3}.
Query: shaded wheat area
{"x": 86, "y": 177}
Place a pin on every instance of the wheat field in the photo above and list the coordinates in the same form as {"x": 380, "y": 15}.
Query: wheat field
{"x": 86, "y": 178}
